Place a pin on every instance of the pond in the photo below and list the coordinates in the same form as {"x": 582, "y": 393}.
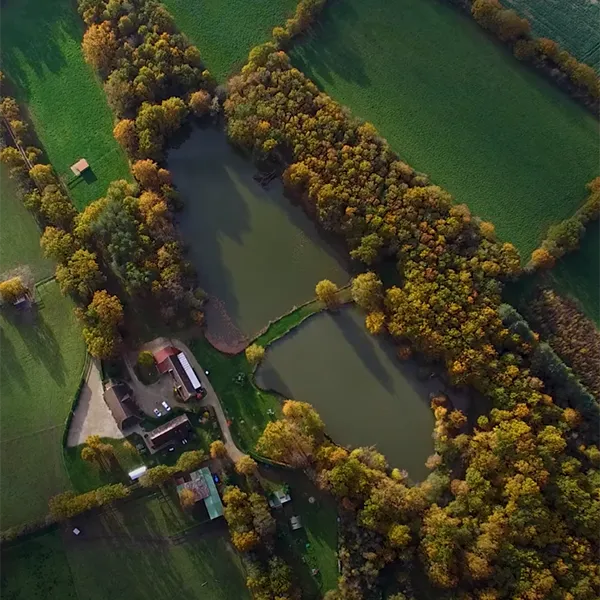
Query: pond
{"x": 364, "y": 393}
{"x": 257, "y": 255}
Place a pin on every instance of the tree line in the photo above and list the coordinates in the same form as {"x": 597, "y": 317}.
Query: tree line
{"x": 578, "y": 78}
{"x": 484, "y": 524}
{"x": 565, "y": 236}
{"x": 573, "y": 336}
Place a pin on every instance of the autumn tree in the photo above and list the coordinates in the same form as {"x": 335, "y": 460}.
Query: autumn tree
{"x": 126, "y": 135}
{"x": 101, "y": 321}
{"x": 326, "y": 292}
{"x": 375, "y": 322}
{"x": 58, "y": 244}
{"x": 42, "y": 175}
{"x": 246, "y": 465}
{"x": 190, "y": 461}
{"x": 12, "y": 289}
{"x": 157, "y": 476}
{"x": 187, "y": 499}
{"x": 99, "y": 47}
{"x": 200, "y": 102}
{"x": 367, "y": 291}
{"x": 80, "y": 275}
{"x": 254, "y": 354}
{"x": 218, "y": 449}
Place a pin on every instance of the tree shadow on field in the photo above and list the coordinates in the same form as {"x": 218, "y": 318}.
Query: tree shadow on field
{"x": 325, "y": 51}
{"x": 31, "y": 32}
{"x": 41, "y": 342}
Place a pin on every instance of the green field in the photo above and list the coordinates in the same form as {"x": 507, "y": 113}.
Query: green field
{"x": 224, "y": 32}
{"x": 20, "y": 239}
{"x": 42, "y": 359}
{"x": 578, "y": 273}
{"x": 127, "y": 553}
{"x": 575, "y": 26}
{"x": 457, "y": 105}
{"x": 41, "y": 55}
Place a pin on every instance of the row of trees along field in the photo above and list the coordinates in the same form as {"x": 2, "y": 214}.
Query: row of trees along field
{"x": 579, "y": 79}
{"x": 510, "y": 510}
{"x": 565, "y": 236}
{"x": 125, "y": 241}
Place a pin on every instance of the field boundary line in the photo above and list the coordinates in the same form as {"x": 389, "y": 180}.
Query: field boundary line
{"x": 25, "y": 435}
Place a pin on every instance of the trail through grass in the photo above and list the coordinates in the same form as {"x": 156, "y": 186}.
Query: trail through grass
{"x": 457, "y": 105}
{"x": 40, "y": 369}
{"x": 225, "y": 32}
{"x": 41, "y": 55}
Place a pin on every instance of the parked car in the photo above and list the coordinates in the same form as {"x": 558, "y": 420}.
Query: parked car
{"x": 166, "y": 406}
{"x": 157, "y": 412}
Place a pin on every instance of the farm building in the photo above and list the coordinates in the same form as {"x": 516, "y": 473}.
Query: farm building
{"x": 176, "y": 429}
{"x": 79, "y": 167}
{"x": 119, "y": 399}
{"x": 201, "y": 483}
{"x": 174, "y": 362}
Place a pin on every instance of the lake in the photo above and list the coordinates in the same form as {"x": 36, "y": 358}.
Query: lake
{"x": 364, "y": 393}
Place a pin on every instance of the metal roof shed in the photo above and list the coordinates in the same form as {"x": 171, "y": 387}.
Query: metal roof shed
{"x": 213, "y": 503}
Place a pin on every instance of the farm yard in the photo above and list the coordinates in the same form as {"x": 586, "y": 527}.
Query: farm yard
{"x": 20, "y": 239}
{"x": 225, "y": 32}
{"x": 576, "y": 29}
{"x": 457, "y": 105}
{"x": 42, "y": 58}
{"x": 41, "y": 367}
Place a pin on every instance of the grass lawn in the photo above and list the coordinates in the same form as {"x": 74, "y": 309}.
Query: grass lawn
{"x": 40, "y": 369}
{"x": 225, "y": 32}
{"x": 457, "y": 105}
{"x": 86, "y": 476}
{"x": 575, "y": 29}
{"x": 37, "y": 569}
{"x": 243, "y": 403}
{"x": 20, "y": 239}
{"x": 127, "y": 553}
{"x": 41, "y": 55}
{"x": 315, "y": 545}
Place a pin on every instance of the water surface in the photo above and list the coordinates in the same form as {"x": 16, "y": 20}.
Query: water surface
{"x": 257, "y": 255}
{"x": 363, "y": 392}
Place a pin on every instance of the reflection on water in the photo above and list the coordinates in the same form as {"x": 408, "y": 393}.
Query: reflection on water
{"x": 364, "y": 393}
{"x": 253, "y": 250}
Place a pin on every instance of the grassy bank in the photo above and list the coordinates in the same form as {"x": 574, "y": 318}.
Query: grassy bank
{"x": 245, "y": 405}
{"x": 458, "y": 106}
{"x": 226, "y": 31}
{"x": 42, "y": 359}
{"x": 41, "y": 55}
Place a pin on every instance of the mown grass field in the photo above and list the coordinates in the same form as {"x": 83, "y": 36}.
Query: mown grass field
{"x": 40, "y": 369}
{"x": 457, "y": 105}
{"x": 225, "y": 32}
{"x": 126, "y": 554}
{"x": 41, "y": 55}
{"x": 573, "y": 26}
{"x": 20, "y": 235}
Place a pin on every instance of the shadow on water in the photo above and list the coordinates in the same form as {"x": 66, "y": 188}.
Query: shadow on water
{"x": 256, "y": 254}
{"x": 364, "y": 393}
